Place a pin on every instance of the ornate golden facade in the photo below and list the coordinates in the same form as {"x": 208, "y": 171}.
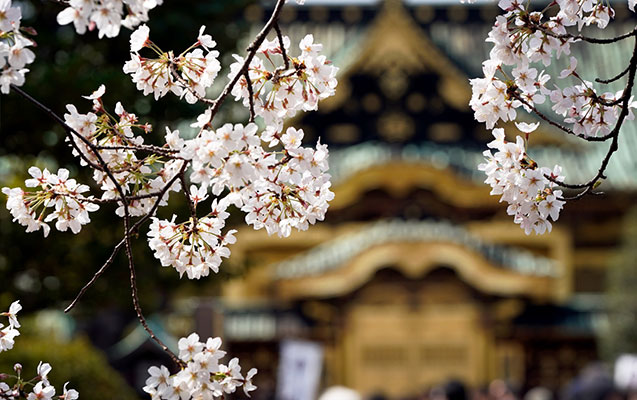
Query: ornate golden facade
{"x": 418, "y": 275}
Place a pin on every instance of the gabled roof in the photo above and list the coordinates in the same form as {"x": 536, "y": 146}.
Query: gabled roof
{"x": 337, "y": 252}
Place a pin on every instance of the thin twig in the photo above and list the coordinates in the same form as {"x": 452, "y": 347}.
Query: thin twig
{"x": 567, "y": 36}
{"x": 59, "y": 120}
{"x": 251, "y": 52}
{"x": 99, "y": 273}
{"x": 137, "y": 307}
{"x": 175, "y": 74}
{"x": 191, "y": 204}
{"x": 279, "y": 35}
{"x": 134, "y": 229}
{"x": 613, "y": 79}
{"x": 589, "y": 186}
{"x": 250, "y": 95}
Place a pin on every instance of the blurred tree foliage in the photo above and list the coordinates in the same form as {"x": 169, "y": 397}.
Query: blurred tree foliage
{"x": 77, "y": 362}
{"x": 49, "y": 272}
{"x": 620, "y": 336}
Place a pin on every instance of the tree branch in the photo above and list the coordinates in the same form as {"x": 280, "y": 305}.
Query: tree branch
{"x": 132, "y": 231}
{"x": 279, "y": 35}
{"x": 567, "y": 36}
{"x": 589, "y": 186}
{"x": 250, "y": 95}
{"x": 251, "y": 52}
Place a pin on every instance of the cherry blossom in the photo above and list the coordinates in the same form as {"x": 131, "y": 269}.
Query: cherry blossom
{"x": 58, "y": 198}
{"x": 515, "y": 82}
{"x": 282, "y": 90}
{"x": 107, "y": 16}
{"x": 513, "y": 175}
{"x": 119, "y": 146}
{"x": 187, "y": 75}
{"x": 202, "y": 375}
{"x": 9, "y": 333}
{"x": 14, "y": 47}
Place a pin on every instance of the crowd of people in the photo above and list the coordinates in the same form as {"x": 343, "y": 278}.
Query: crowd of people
{"x": 593, "y": 383}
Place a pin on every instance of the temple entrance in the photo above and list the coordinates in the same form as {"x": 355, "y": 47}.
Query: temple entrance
{"x": 400, "y": 306}
{"x": 403, "y": 337}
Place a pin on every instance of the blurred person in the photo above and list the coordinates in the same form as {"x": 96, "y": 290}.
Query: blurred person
{"x": 481, "y": 393}
{"x": 539, "y": 393}
{"x": 455, "y": 390}
{"x": 340, "y": 393}
{"x": 500, "y": 390}
{"x": 437, "y": 393}
{"x": 424, "y": 394}
{"x": 593, "y": 383}
{"x": 377, "y": 396}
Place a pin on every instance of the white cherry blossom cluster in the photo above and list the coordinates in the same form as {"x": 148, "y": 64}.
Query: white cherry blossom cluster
{"x": 187, "y": 75}
{"x": 108, "y": 16}
{"x": 194, "y": 247}
{"x": 9, "y": 333}
{"x": 277, "y": 193}
{"x": 514, "y": 176}
{"x": 588, "y": 113}
{"x": 522, "y": 38}
{"x": 58, "y": 198}
{"x": 202, "y": 376}
{"x": 278, "y": 91}
{"x": 14, "y": 47}
{"x": 294, "y": 194}
{"x": 585, "y": 12}
{"x": 514, "y": 80}
{"x": 118, "y": 148}
{"x": 36, "y": 388}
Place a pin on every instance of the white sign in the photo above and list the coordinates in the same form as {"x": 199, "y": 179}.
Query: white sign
{"x": 299, "y": 370}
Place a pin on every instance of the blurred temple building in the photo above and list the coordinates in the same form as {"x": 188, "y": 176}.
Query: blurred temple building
{"x": 418, "y": 274}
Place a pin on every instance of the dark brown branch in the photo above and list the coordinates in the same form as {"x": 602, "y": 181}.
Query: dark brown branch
{"x": 148, "y": 148}
{"x": 279, "y": 35}
{"x": 589, "y": 186}
{"x": 133, "y": 275}
{"x": 191, "y": 204}
{"x": 69, "y": 131}
{"x": 134, "y": 229}
{"x": 127, "y": 229}
{"x": 567, "y": 36}
{"x": 175, "y": 74}
{"x": 561, "y": 127}
{"x": 250, "y": 95}
{"x": 109, "y": 201}
{"x": 251, "y": 52}
{"x": 613, "y": 79}
{"x": 136, "y": 305}
{"x": 99, "y": 273}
